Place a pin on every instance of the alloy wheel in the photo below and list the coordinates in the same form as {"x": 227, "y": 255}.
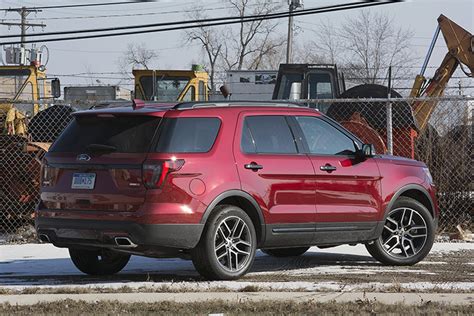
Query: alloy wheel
{"x": 404, "y": 234}
{"x": 233, "y": 244}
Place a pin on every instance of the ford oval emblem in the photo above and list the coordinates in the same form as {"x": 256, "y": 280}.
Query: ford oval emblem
{"x": 83, "y": 157}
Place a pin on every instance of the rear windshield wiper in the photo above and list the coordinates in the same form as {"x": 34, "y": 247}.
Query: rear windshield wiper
{"x": 100, "y": 148}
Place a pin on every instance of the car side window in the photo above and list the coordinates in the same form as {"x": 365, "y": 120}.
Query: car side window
{"x": 323, "y": 138}
{"x": 267, "y": 135}
{"x": 187, "y": 134}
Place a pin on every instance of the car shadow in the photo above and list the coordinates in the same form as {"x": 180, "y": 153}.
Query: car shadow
{"x": 61, "y": 271}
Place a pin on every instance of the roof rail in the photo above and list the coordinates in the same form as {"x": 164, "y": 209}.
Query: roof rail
{"x": 194, "y": 105}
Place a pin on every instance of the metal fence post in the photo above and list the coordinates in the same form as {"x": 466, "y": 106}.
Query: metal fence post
{"x": 389, "y": 114}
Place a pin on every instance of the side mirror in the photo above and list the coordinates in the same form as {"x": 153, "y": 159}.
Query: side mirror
{"x": 368, "y": 150}
{"x": 55, "y": 88}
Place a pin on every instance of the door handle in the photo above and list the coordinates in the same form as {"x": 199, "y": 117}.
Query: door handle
{"x": 253, "y": 166}
{"x": 328, "y": 168}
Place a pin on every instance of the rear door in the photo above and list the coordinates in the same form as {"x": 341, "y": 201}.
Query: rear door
{"x": 96, "y": 164}
{"x": 274, "y": 171}
{"x": 347, "y": 188}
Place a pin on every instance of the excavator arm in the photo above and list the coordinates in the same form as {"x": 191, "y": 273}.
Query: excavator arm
{"x": 460, "y": 44}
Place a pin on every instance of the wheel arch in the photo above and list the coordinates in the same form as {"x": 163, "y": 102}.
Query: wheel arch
{"x": 247, "y": 203}
{"x": 416, "y": 192}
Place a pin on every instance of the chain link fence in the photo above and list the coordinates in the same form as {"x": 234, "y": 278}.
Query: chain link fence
{"x": 445, "y": 144}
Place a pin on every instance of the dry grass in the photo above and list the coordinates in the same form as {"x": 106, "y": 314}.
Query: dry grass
{"x": 204, "y": 308}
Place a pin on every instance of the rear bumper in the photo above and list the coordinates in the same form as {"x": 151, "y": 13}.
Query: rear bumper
{"x": 102, "y": 233}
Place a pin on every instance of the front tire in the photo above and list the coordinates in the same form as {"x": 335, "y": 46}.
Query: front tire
{"x": 98, "y": 262}
{"x": 407, "y": 236}
{"x": 227, "y": 247}
{"x": 285, "y": 252}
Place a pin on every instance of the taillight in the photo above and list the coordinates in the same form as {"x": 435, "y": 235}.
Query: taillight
{"x": 155, "y": 172}
{"x": 48, "y": 174}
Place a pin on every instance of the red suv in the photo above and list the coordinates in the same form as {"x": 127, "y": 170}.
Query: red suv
{"x": 216, "y": 181}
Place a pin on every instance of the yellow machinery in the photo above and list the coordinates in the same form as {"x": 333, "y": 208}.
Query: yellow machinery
{"x": 27, "y": 85}
{"x": 461, "y": 53}
{"x": 171, "y": 85}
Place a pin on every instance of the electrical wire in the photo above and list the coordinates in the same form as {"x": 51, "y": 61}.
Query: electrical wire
{"x": 206, "y": 20}
{"x": 225, "y": 21}
{"x": 127, "y": 14}
{"x": 75, "y": 5}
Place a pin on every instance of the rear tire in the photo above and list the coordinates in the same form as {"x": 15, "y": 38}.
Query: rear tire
{"x": 285, "y": 252}
{"x": 98, "y": 262}
{"x": 408, "y": 234}
{"x": 227, "y": 247}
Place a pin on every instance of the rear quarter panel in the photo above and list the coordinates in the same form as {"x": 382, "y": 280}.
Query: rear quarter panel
{"x": 203, "y": 176}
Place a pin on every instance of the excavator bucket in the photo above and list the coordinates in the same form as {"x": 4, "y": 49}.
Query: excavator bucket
{"x": 459, "y": 41}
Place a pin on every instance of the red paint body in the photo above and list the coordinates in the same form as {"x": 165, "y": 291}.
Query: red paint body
{"x": 289, "y": 188}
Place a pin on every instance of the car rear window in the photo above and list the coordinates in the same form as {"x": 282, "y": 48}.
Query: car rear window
{"x": 124, "y": 134}
{"x": 187, "y": 134}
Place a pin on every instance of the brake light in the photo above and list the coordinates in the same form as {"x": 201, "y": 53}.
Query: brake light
{"x": 48, "y": 174}
{"x": 155, "y": 172}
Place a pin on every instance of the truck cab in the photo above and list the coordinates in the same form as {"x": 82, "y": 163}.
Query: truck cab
{"x": 308, "y": 82}
{"x": 171, "y": 85}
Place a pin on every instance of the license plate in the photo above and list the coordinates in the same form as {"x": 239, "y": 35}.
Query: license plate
{"x": 83, "y": 181}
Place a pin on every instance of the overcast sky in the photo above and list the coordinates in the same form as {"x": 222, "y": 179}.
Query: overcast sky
{"x": 100, "y": 55}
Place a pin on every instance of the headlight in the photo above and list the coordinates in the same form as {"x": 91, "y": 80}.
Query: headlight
{"x": 428, "y": 175}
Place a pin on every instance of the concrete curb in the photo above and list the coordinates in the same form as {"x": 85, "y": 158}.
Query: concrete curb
{"x": 386, "y": 298}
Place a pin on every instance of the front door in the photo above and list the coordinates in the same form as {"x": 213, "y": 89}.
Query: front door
{"x": 348, "y": 199}
{"x": 275, "y": 171}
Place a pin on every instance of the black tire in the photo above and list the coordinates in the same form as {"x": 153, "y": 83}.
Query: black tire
{"x": 98, "y": 262}
{"x": 285, "y": 252}
{"x": 204, "y": 255}
{"x": 380, "y": 253}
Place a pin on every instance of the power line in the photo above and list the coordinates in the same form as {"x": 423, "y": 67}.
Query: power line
{"x": 224, "y": 21}
{"x": 207, "y": 20}
{"x": 131, "y": 14}
{"x": 76, "y": 5}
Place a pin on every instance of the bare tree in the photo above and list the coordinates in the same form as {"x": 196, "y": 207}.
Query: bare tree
{"x": 210, "y": 41}
{"x": 328, "y": 46}
{"x": 252, "y": 45}
{"x": 247, "y": 45}
{"x": 138, "y": 56}
{"x": 366, "y": 46}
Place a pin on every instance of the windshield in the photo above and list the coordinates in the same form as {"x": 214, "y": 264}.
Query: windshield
{"x": 11, "y": 82}
{"x": 166, "y": 88}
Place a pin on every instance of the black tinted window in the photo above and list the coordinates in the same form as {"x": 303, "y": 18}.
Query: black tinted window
{"x": 323, "y": 138}
{"x": 267, "y": 134}
{"x": 124, "y": 134}
{"x": 319, "y": 86}
{"x": 188, "y": 134}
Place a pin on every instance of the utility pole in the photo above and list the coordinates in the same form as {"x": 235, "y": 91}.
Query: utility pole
{"x": 24, "y": 25}
{"x": 294, "y": 4}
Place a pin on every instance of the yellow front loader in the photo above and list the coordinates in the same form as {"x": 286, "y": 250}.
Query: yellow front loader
{"x": 21, "y": 89}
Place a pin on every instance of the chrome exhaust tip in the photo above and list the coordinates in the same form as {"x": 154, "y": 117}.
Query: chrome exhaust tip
{"x": 124, "y": 242}
{"x": 44, "y": 238}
